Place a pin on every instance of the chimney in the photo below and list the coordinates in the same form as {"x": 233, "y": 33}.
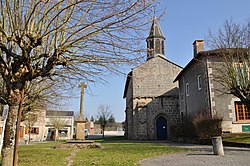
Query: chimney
{"x": 198, "y": 46}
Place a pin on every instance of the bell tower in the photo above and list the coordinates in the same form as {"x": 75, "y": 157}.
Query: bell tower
{"x": 155, "y": 41}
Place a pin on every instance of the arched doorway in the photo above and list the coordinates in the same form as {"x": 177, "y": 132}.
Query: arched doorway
{"x": 161, "y": 128}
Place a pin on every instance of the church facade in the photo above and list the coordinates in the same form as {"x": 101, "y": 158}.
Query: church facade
{"x": 152, "y": 99}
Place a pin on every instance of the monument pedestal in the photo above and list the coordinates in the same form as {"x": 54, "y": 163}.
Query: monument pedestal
{"x": 80, "y": 129}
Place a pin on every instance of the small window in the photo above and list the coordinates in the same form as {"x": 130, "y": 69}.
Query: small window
{"x": 162, "y": 102}
{"x": 241, "y": 111}
{"x": 157, "y": 46}
{"x": 242, "y": 73}
{"x": 35, "y": 130}
{"x": 162, "y": 47}
{"x": 187, "y": 89}
{"x": 199, "y": 82}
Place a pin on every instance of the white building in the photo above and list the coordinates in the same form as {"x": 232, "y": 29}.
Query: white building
{"x": 64, "y": 120}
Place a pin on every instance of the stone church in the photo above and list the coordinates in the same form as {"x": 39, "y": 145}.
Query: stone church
{"x": 152, "y": 99}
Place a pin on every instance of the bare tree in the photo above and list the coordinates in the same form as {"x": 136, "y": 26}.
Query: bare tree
{"x": 232, "y": 44}
{"x": 103, "y": 117}
{"x": 57, "y": 122}
{"x": 230, "y": 35}
{"x": 29, "y": 122}
{"x": 36, "y": 93}
{"x": 92, "y": 119}
{"x": 111, "y": 119}
{"x": 66, "y": 38}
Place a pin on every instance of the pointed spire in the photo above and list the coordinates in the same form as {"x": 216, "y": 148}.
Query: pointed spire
{"x": 155, "y": 41}
{"x": 155, "y": 30}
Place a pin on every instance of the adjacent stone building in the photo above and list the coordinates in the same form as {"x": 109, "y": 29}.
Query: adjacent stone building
{"x": 200, "y": 92}
{"x": 152, "y": 99}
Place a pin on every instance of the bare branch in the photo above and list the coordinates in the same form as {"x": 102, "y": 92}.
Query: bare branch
{"x": 233, "y": 65}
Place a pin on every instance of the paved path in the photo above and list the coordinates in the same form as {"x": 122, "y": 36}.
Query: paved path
{"x": 201, "y": 155}
{"x": 72, "y": 155}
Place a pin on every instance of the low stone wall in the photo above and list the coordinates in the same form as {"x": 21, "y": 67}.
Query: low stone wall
{"x": 80, "y": 145}
{"x": 115, "y": 133}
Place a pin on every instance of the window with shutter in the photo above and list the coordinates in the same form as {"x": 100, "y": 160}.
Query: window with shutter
{"x": 37, "y": 130}
{"x": 26, "y": 130}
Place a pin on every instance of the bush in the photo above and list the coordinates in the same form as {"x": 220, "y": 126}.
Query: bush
{"x": 207, "y": 126}
{"x": 176, "y": 131}
{"x": 189, "y": 129}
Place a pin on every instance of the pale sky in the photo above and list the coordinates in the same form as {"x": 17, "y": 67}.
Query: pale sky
{"x": 186, "y": 21}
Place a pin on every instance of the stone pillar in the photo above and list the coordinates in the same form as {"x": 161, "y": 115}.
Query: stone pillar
{"x": 80, "y": 129}
{"x": 217, "y": 145}
{"x": 83, "y": 86}
{"x": 80, "y": 123}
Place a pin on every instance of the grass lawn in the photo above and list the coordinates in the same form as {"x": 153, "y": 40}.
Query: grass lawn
{"x": 241, "y": 137}
{"x": 114, "y": 152}
{"x": 122, "y": 153}
{"x": 42, "y": 154}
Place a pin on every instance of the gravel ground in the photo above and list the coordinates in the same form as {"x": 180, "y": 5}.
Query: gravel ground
{"x": 201, "y": 155}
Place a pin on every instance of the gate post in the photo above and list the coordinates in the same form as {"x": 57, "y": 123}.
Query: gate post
{"x": 217, "y": 145}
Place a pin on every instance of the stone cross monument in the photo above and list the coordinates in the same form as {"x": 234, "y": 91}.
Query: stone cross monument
{"x": 80, "y": 123}
{"x": 83, "y": 86}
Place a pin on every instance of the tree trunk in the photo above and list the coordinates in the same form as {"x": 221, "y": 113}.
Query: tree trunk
{"x": 7, "y": 156}
{"x": 29, "y": 135}
{"x": 10, "y": 128}
{"x": 9, "y": 137}
{"x": 103, "y": 133}
{"x": 17, "y": 136}
{"x": 56, "y": 134}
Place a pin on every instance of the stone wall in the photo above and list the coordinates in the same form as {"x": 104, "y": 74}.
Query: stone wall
{"x": 223, "y": 103}
{"x": 155, "y": 78}
{"x": 146, "y": 115}
{"x": 212, "y": 98}
{"x": 197, "y": 99}
{"x": 151, "y": 93}
{"x": 129, "y": 112}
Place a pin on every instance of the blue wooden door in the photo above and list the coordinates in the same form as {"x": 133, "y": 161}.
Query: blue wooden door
{"x": 161, "y": 126}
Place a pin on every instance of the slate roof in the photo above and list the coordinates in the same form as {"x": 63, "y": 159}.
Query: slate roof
{"x": 127, "y": 83}
{"x": 155, "y": 30}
